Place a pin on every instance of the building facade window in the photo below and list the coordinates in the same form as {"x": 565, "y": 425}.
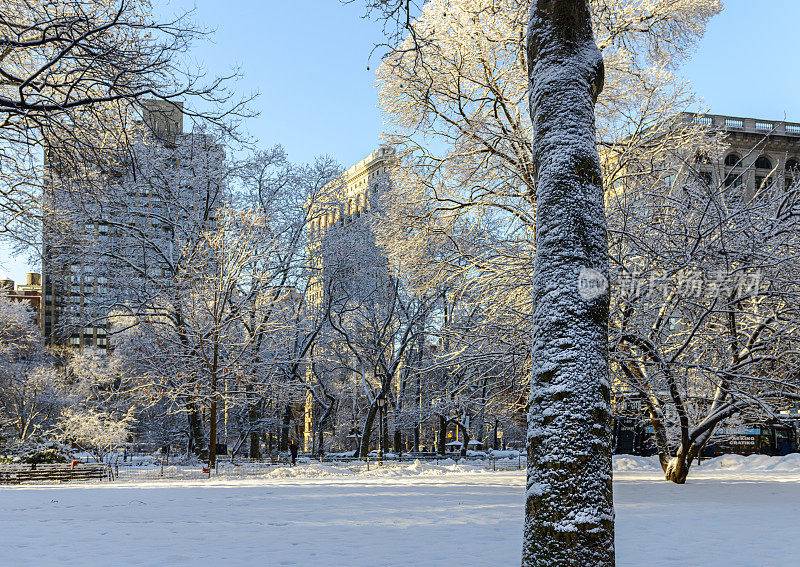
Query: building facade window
{"x": 763, "y": 162}
{"x": 732, "y": 160}
{"x": 733, "y": 180}
{"x": 768, "y": 182}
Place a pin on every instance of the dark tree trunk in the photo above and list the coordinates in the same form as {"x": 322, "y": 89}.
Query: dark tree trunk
{"x": 418, "y": 424}
{"x": 320, "y": 439}
{"x": 385, "y": 440}
{"x": 196, "y": 434}
{"x": 254, "y": 415}
{"x": 255, "y": 445}
{"x": 569, "y": 509}
{"x": 363, "y": 449}
{"x": 321, "y": 426}
{"x": 480, "y": 423}
{"x": 442, "y": 445}
{"x": 212, "y": 427}
{"x": 465, "y": 439}
{"x": 287, "y": 420}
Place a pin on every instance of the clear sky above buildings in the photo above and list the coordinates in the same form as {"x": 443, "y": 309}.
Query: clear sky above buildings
{"x": 308, "y": 60}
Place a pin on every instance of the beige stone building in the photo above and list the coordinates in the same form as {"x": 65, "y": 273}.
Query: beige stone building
{"x": 338, "y": 234}
{"x": 30, "y": 292}
{"x": 345, "y": 260}
{"x": 757, "y": 154}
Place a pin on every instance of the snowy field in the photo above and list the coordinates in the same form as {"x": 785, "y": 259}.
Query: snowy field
{"x": 734, "y": 511}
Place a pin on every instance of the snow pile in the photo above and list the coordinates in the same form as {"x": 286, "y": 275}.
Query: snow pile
{"x": 725, "y": 463}
{"x": 418, "y": 468}
{"x": 753, "y": 463}
{"x": 633, "y": 463}
{"x": 310, "y": 470}
{"x": 471, "y": 453}
{"x": 388, "y": 470}
{"x": 510, "y": 454}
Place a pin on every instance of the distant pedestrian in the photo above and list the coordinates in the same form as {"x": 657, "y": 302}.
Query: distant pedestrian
{"x": 293, "y": 451}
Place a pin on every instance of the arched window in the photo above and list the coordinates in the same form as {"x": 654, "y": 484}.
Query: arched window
{"x": 350, "y": 207}
{"x": 792, "y": 164}
{"x": 763, "y": 163}
{"x": 732, "y": 160}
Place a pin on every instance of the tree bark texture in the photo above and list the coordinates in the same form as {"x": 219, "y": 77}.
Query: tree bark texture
{"x": 285, "y": 423}
{"x": 255, "y": 445}
{"x": 366, "y": 434}
{"x": 464, "y": 438}
{"x": 212, "y": 433}
{"x": 569, "y": 514}
{"x": 397, "y": 441}
{"x": 196, "y": 433}
{"x": 441, "y": 446}
{"x": 254, "y": 415}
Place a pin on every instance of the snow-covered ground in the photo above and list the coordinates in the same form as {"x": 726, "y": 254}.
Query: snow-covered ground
{"x": 734, "y": 511}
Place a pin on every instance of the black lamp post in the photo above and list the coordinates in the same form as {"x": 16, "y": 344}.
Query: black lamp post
{"x": 381, "y": 401}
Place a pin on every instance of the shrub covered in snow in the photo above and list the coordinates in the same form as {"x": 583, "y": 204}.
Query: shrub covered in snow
{"x": 95, "y": 431}
{"x": 37, "y": 452}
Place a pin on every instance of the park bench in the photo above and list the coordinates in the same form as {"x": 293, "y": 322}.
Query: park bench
{"x": 17, "y": 473}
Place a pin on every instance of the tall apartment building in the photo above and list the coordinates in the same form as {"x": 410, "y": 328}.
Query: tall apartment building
{"x": 112, "y": 246}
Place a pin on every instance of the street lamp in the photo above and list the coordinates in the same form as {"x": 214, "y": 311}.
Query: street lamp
{"x": 381, "y": 401}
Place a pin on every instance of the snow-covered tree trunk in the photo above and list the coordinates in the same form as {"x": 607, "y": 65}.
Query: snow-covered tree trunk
{"x": 569, "y": 507}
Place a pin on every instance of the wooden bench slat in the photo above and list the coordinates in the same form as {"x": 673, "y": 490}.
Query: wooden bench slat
{"x": 20, "y": 472}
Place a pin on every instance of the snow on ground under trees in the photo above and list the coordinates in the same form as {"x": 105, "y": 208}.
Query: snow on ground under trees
{"x": 734, "y": 511}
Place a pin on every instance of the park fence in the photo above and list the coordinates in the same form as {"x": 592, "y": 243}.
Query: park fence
{"x": 243, "y": 468}
{"x": 49, "y": 473}
{"x": 137, "y": 471}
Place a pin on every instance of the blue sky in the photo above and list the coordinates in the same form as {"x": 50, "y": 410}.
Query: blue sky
{"x": 747, "y": 63}
{"x": 308, "y": 60}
